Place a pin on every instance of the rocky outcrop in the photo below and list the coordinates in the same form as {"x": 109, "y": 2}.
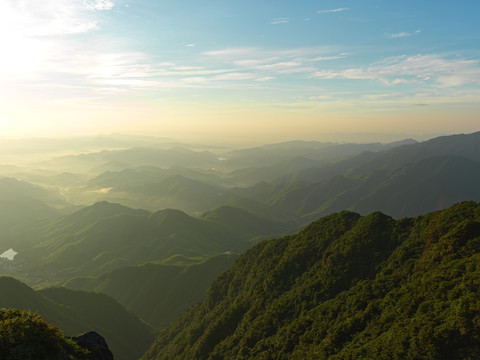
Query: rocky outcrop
{"x": 96, "y": 344}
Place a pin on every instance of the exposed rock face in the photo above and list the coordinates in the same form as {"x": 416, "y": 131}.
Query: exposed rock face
{"x": 96, "y": 344}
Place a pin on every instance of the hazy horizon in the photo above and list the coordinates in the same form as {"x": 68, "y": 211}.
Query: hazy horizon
{"x": 239, "y": 72}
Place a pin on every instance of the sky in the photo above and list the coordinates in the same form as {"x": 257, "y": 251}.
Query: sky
{"x": 259, "y": 70}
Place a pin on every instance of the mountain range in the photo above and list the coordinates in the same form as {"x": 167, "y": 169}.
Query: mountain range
{"x": 149, "y": 228}
{"x": 106, "y": 236}
{"x": 346, "y": 287}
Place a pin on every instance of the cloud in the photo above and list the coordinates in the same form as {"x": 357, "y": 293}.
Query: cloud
{"x": 272, "y": 62}
{"x": 424, "y": 68}
{"x": 325, "y": 58}
{"x": 279, "y": 65}
{"x": 398, "y": 35}
{"x": 266, "y": 78}
{"x": 194, "y": 80}
{"x": 402, "y": 34}
{"x": 35, "y": 18}
{"x": 231, "y": 53}
{"x": 234, "y": 76}
{"x": 321, "y": 97}
{"x": 279, "y": 21}
{"x": 330, "y": 11}
{"x": 98, "y": 4}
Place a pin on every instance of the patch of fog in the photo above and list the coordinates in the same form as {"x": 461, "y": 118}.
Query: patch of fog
{"x": 9, "y": 254}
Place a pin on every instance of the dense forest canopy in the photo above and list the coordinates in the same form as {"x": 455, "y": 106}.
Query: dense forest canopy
{"x": 346, "y": 287}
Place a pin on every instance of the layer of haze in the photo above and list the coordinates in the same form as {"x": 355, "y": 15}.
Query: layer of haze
{"x": 239, "y": 71}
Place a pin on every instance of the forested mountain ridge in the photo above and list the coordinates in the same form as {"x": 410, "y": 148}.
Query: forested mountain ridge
{"x": 106, "y": 236}
{"x": 346, "y": 287}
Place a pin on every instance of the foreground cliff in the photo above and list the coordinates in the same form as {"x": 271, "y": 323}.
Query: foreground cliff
{"x": 77, "y": 312}
{"x": 26, "y": 336}
{"x": 346, "y": 287}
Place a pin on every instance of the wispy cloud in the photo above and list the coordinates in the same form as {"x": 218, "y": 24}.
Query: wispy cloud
{"x": 330, "y": 11}
{"x": 279, "y": 21}
{"x": 266, "y": 78}
{"x": 234, "y": 76}
{"x": 51, "y": 17}
{"x": 403, "y": 69}
{"x": 98, "y": 4}
{"x": 232, "y": 53}
{"x": 280, "y": 65}
{"x": 270, "y": 63}
{"x": 334, "y": 57}
{"x": 402, "y": 34}
{"x": 398, "y": 35}
{"x": 321, "y": 97}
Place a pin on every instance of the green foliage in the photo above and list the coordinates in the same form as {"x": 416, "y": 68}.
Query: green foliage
{"x": 26, "y": 336}
{"x": 76, "y": 312}
{"x": 347, "y": 287}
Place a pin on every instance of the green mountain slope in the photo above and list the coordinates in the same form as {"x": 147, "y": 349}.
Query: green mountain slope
{"x": 75, "y": 312}
{"x": 346, "y": 287}
{"x": 105, "y": 236}
{"x": 241, "y": 221}
{"x": 158, "y": 292}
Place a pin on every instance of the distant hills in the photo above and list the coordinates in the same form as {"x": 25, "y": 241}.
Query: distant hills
{"x": 346, "y": 287}
{"x": 75, "y": 312}
{"x": 104, "y": 160}
{"x": 411, "y": 189}
{"x": 407, "y": 180}
{"x": 158, "y": 292}
{"x": 106, "y": 236}
{"x": 241, "y": 221}
{"x": 296, "y": 180}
